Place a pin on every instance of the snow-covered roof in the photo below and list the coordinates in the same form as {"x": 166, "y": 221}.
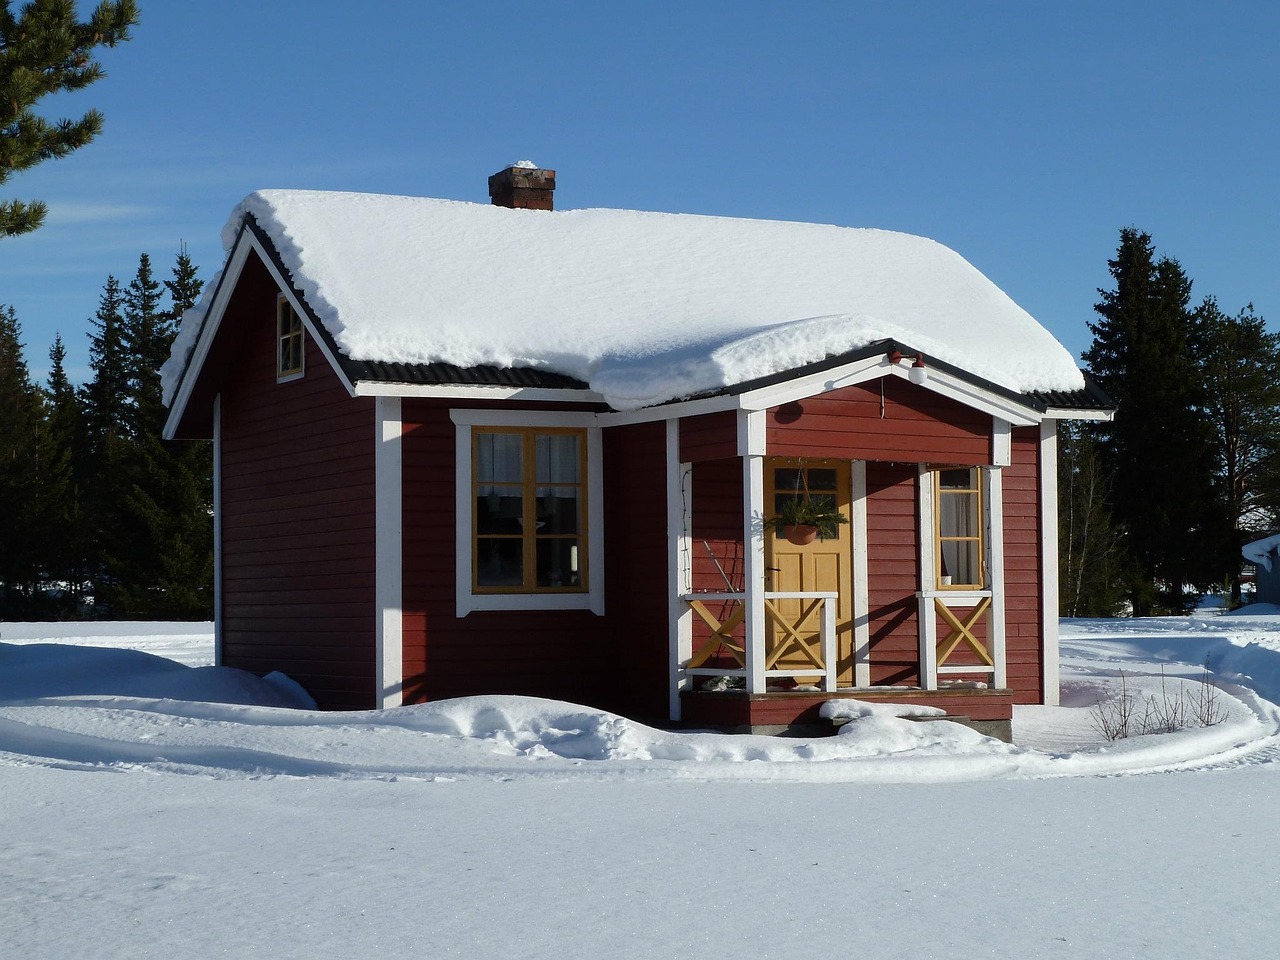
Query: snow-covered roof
{"x": 644, "y": 307}
{"x": 1262, "y": 551}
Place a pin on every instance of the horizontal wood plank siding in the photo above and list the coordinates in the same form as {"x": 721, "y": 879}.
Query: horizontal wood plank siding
{"x": 1024, "y": 581}
{"x": 893, "y": 573}
{"x": 563, "y": 654}
{"x": 297, "y": 519}
{"x": 711, "y": 436}
{"x": 914, "y": 424}
{"x": 635, "y": 531}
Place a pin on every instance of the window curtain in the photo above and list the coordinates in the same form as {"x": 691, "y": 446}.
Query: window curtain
{"x": 558, "y": 462}
{"x": 498, "y": 460}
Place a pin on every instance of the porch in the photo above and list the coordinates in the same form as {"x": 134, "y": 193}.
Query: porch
{"x": 803, "y": 664}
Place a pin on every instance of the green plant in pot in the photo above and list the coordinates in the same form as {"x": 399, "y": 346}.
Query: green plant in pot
{"x": 801, "y": 519}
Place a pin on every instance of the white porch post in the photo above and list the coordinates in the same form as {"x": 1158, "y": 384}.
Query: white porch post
{"x": 927, "y": 624}
{"x": 751, "y": 448}
{"x": 679, "y": 565}
{"x": 1049, "y": 556}
{"x": 995, "y": 564}
{"x": 388, "y": 551}
{"x": 859, "y": 570}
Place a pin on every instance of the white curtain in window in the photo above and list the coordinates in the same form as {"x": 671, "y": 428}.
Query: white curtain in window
{"x": 558, "y": 461}
{"x": 498, "y": 460}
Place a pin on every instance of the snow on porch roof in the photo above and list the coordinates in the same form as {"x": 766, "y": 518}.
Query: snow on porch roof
{"x": 643, "y": 307}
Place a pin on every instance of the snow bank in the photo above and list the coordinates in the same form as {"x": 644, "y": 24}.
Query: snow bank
{"x": 1261, "y": 551}
{"x": 644, "y": 307}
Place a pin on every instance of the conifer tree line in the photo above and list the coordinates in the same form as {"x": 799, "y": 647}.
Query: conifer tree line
{"x": 1156, "y": 505}
{"x": 101, "y": 517}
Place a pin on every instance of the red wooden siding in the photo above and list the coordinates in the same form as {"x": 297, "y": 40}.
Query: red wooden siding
{"x": 711, "y": 436}
{"x": 916, "y": 425}
{"x": 1023, "y": 568}
{"x": 563, "y": 654}
{"x": 634, "y": 639}
{"x": 297, "y": 518}
{"x": 893, "y": 572}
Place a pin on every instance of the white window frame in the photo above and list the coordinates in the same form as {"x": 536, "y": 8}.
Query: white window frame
{"x": 283, "y": 302}
{"x": 467, "y": 599}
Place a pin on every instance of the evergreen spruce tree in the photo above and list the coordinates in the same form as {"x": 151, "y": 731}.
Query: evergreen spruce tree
{"x": 61, "y": 510}
{"x": 19, "y": 426}
{"x": 166, "y": 549}
{"x": 108, "y": 418}
{"x": 1239, "y": 361}
{"x": 45, "y": 49}
{"x": 184, "y": 289}
{"x": 1159, "y": 450}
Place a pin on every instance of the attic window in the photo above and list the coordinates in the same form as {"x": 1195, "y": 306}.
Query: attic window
{"x": 289, "y": 342}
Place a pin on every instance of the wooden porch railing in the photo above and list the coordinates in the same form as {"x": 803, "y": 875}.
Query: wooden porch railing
{"x": 784, "y": 643}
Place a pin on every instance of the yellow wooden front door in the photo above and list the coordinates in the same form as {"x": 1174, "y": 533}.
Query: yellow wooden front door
{"x": 823, "y": 565}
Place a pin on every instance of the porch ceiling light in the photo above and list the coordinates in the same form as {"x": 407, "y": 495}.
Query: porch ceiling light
{"x": 918, "y": 373}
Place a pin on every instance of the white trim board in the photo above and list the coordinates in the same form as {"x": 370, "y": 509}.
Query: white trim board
{"x": 389, "y": 550}
{"x": 1048, "y": 471}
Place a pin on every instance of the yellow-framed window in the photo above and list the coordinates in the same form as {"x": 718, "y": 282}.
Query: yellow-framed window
{"x": 289, "y": 340}
{"x": 529, "y": 503}
{"x": 958, "y": 528}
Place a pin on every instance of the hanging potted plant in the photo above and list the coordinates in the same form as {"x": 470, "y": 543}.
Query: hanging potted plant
{"x": 801, "y": 519}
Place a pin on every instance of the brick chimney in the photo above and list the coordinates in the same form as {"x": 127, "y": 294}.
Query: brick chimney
{"x": 523, "y": 185}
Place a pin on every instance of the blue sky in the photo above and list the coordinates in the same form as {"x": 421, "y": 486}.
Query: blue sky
{"x": 1024, "y": 136}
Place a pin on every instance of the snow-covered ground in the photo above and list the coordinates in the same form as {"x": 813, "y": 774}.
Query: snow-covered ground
{"x": 155, "y": 806}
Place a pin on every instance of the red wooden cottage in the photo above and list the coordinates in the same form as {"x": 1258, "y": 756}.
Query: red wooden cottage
{"x": 466, "y": 449}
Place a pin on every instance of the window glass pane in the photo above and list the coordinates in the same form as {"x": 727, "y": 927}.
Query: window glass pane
{"x": 958, "y": 514}
{"x": 558, "y": 562}
{"x": 557, "y": 458}
{"x": 960, "y": 479}
{"x": 500, "y": 458}
{"x": 557, "y": 509}
{"x": 960, "y": 562}
{"x": 499, "y": 563}
{"x": 823, "y": 479}
{"x": 787, "y": 478}
{"x": 500, "y": 510}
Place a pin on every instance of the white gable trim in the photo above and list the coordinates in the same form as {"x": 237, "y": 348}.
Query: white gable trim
{"x": 815, "y": 384}
{"x": 477, "y": 391}
{"x": 1072, "y": 413}
{"x": 245, "y": 244}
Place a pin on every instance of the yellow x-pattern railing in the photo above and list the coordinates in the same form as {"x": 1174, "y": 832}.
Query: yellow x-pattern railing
{"x": 962, "y": 631}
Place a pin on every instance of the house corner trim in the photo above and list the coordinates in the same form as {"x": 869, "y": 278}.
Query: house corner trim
{"x": 388, "y": 473}
{"x": 1049, "y": 558}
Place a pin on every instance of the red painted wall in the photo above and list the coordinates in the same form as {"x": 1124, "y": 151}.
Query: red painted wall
{"x": 916, "y": 425}
{"x": 1023, "y": 568}
{"x": 571, "y": 655}
{"x": 635, "y": 642}
{"x": 297, "y": 516}
{"x": 893, "y": 577}
{"x": 710, "y": 436}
